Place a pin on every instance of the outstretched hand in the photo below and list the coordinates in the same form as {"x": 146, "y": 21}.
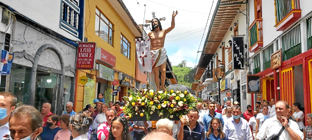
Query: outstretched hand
{"x": 174, "y": 14}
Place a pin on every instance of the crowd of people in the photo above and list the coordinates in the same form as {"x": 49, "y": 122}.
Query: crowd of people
{"x": 208, "y": 121}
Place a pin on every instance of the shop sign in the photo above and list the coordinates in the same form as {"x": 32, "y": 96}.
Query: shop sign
{"x": 106, "y": 73}
{"x": 83, "y": 80}
{"x": 6, "y": 62}
{"x": 85, "y": 56}
{"x": 253, "y": 84}
{"x": 276, "y": 59}
{"x": 115, "y": 92}
{"x": 127, "y": 81}
{"x": 115, "y": 83}
{"x": 238, "y": 53}
{"x": 222, "y": 85}
{"x": 105, "y": 56}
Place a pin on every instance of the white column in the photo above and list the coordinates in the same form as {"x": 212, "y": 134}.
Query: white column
{"x": 304, "y": 41}
{"x": 261, "y": 61}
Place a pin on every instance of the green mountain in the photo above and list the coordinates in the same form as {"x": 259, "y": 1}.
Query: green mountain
{"x": 184, "y": 75}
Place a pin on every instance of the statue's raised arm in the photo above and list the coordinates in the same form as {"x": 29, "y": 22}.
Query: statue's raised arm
{"x": 174, "y": 14}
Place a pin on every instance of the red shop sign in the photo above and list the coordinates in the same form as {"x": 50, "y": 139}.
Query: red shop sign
{"x": 85, "y": 56}
{"x": 116, "y": 82}
{"x": 108, "y": 57}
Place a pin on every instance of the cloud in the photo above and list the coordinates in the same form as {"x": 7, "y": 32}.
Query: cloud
{"x": 183, "y": 53}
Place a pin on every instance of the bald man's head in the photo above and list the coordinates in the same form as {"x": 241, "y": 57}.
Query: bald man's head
{"x": 46, "y": 108}
{"x": 156, "y": 135}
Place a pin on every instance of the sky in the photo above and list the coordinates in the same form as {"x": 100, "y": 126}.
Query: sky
{"x": 189, "y": 34}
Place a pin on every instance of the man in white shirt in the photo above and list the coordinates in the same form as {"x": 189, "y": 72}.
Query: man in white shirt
{"x": 237, "y": 128}
{"x": 7, "y": 105}
{"x": 202, "y": 112}
{"x": 253, "y": 122}
{"x": 272, "y": 111}
{"x": 273, "y": 125}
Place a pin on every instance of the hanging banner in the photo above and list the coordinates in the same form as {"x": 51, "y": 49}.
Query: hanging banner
{"x": 6, "y": 62}
{"x": 144, "y": 54}
{"x": 85, "y": 56}
{"x": 89, "y": 92}
{"x": 238, "y": 53}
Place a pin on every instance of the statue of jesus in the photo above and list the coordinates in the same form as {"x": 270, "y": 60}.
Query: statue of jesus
{"x": 158, "y": 52}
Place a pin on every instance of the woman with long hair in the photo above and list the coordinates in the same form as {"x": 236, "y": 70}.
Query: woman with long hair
{"x": 119, "y": 129}
{"x": 215, "y": 130}
{"x": 79, "y": 125}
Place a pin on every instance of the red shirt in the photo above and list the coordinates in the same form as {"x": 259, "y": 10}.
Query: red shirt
{"x": 248, "y": 115}
{"x": 45, "y": 118}
{"x": 119, "y": 112}
{"x": 219, "y": 111}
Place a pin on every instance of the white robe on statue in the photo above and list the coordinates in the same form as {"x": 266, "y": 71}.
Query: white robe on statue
{"x": 143, "y": 54}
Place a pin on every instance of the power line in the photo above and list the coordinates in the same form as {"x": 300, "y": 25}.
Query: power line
{"x": 190, "y": 31}
{"x": 172, "y": 39}
{"x": 175, "y": 7}
{"x": 204, "y": 32}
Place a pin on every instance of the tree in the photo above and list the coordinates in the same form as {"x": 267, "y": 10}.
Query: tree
{"x": 182, "y": 64}
{"x": 189, "y": 77}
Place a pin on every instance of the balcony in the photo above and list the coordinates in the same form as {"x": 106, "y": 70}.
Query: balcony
{"x": 286, "y": 13}
{"x": 267, "y": 64}
{"x": 256, "y": 35}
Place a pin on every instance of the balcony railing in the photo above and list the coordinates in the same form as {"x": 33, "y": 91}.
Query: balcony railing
{"x": 267, "y": 64}
{"x": 286, "y": 12}
{"x": 256, "y": 70}
{"x": 292, "y": 52}
{"x": 256, "y": 35}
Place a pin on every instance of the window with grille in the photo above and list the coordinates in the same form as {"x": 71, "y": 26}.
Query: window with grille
{"x": 267, "y": 57}
{"x": 291, "y": 43}
{"x": 103, "y": 27}
{"x": 125, "y": 46}
{"x": 71, "y": 18}
{"x": 256, "y": 64}
{"x": 309, "y": 32}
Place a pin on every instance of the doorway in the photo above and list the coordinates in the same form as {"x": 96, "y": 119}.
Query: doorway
{"x": 46, "y": 89}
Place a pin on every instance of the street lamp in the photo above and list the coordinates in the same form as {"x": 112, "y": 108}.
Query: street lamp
{"x": 219, "y": 77}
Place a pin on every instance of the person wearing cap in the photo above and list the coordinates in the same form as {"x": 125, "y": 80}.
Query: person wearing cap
{"x": 118, "y": 109}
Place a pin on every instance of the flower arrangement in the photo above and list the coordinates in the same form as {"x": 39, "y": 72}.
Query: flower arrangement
{"x": 155, "y": 105}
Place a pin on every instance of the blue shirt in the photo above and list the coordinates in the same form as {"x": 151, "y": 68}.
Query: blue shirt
{"x": 198, "y": 133}
{"x": 234, "y": 131}
{"x": 102, "y": 100}
{"x": 208, "y": 118}
{"x": 213, "y": 137}
{"x": 48, "y": 134}
{"x": 70, "y": 114}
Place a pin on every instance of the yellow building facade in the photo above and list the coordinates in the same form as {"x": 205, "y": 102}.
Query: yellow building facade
{"x": 109, "y": 24}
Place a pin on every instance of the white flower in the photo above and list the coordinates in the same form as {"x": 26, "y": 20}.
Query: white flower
{"x": 143, "y": 110}
{"x": 143, "y": 98}
{"x": 173, "y": 94}
{"x": 163, "y": 105}
{"x": 155, "y": 98}
{"x": 178, "y": 91}
{"x": 151, "y": 112}
{"x": 153, "y": 108}
{"x": 174, "y": 109}
{"x": 180, "y": 103}
{"x": 127, "y": 103}
{"x": 145, "y": 90}
{"x": 160, "y": 92}
{"x": 181, "y": 95}
{"x": 171, "y": 116}
{"x": 130, "y": 98}
{"x": 139, "y": 100}
{"x": 136, "y": 113}
{"x": 160, "y": 114}
{"x": 151, "y": 91}
{"x": 174, "y": 102}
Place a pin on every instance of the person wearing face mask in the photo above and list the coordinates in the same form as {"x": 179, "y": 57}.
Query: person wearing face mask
{"x": 25, "y": 123}
{"x": 237, "y": 128}
{"x": 253, "y": 123}
{"x": 51, "y": 129}
{"x": 79, "y": 125}
{"x": 215, "y": 130}
{"x": 248, "y": 114}
{"x": 7, "y": 105}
